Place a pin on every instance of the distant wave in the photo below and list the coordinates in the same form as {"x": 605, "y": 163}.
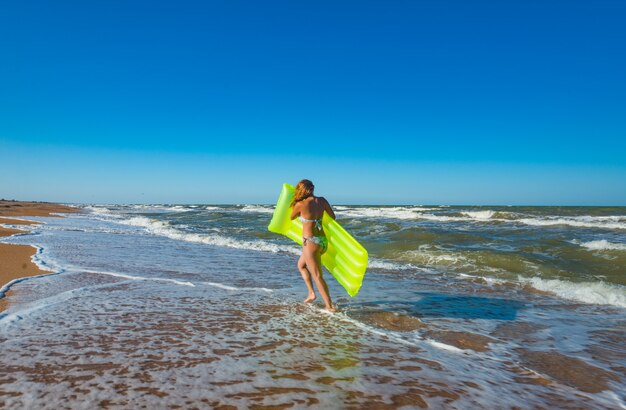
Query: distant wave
{"x": 258, "y": 208}
{"x": 414, "y": 213}
{"x": 584, "y": 221}
{"x": 162, "y": 208}
{"x": 441, "y": 218}
{"x": 604, "y": 222}
{"x": 382, "y": 212}
{"x": 418, "y": 213}
{"x": 603, "y": 245}
{"x": 102, "y": 211}
{"x": 480, "y": 214}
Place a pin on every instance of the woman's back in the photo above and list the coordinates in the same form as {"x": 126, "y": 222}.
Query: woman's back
{"x": 312, "y": 208}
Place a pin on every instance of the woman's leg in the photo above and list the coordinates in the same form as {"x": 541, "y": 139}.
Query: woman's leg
{"x": 311, "y": 257}
{"x": 318, "y": 259}
{"x": 307, "y": 278}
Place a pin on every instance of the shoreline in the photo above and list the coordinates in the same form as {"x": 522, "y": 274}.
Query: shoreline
{"x": 16, "y": 260}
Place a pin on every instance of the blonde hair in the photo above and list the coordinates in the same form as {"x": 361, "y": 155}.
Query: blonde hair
{"x": 304, "y": 189}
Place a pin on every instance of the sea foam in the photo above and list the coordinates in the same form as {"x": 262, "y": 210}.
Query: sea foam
{"x": 163, "y": 228}
{"x": 381, "y": 212}
{"x": 598, "y": 293}
{"x": 481, "y": 215}
{"x": 603, "y": 245}
{"x": 258, "y": 209}
{"x": 595, "y": 293}
{"x": 134, "y": 277}
{"x": 585, "y": 221}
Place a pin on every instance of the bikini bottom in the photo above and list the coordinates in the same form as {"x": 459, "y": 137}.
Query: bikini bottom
{"x": 320, "y": 241}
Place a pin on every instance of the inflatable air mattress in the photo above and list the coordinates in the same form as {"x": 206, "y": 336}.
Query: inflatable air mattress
{"x": 345, "y": 258}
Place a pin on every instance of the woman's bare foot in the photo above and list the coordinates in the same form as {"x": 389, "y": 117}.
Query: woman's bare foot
{"x": 310, "y": 298}
{"x": 331, "y": 309}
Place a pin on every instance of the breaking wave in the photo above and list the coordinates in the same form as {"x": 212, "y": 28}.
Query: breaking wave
{"x": 162, "y": 228}
{"x": 603, "y": 245}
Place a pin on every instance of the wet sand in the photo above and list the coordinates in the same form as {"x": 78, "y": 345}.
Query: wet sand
{"x": 19, "y": 208}
{"x": 16, "y": 260}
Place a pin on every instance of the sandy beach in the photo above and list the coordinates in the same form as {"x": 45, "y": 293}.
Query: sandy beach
{"x": 16, "y": 260}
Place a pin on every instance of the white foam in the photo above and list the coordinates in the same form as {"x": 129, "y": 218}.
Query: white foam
{"x": 382, "y": 212}
{"x": 258, "y": 209}
{"x": 382, "y": 264}
{"x": 598, "y": 293}
{"x": 161, "y": 208}
{"x": 426, "y": 256}
{"x": 614, "y": 398}
{"x": 47, "y": 267}
{"x": 445, "y": 218}
{"x": 15, "y": 314}
{"x": 227, "y": 287}
{"x": 417, "y": 213}
{"x": 131, "y": 277}
{"x": 603, "y": 245}
{"x": 177, "y": 208}
{"x": 487, "y": 279}
{"x": 7, "y": 286}
{"x": 595, "y": 293}
{"x": 106, "y": 213}
{"x": 480, "y": 215}
{"x": 177, "y": 282}
{"x": 444, "y": 346}
{"x": 50, "y": 265}
{"x": 379, "y": 332}
{"x": 469, "y": 216}
{"x": 585, "y": 221}
{"x": 165, "y": 229}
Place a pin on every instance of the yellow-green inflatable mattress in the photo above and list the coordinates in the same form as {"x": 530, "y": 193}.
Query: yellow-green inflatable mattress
{"x": 345, "y": 258}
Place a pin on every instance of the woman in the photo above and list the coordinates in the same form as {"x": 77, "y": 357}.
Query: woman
{"x": 314, "y": 243}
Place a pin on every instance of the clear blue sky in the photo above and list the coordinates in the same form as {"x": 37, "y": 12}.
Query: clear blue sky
{"x": 377, "y": 102}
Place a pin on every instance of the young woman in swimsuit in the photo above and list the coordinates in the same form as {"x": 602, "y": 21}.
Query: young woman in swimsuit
{"x": 314, "y": 243}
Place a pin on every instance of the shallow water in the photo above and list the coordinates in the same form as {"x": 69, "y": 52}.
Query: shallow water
{"x": 200, "y": 306}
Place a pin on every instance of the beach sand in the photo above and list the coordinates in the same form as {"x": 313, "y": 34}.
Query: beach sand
{"x": 16, "y": 260}
{"x": 19, "y": 208}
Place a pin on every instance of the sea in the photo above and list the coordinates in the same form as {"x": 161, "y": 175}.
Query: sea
{"x": 200, "y": 306}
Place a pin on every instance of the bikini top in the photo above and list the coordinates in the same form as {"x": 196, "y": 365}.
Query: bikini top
{"x": 318, "y": 222}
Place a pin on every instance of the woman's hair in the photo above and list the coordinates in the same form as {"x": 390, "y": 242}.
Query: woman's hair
{"x": 304, "y": 189}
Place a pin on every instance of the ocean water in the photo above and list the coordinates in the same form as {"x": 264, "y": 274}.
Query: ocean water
{"x": 200, "y": 306}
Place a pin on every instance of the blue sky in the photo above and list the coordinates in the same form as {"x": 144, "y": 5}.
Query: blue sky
{"x": 377, "y": 102}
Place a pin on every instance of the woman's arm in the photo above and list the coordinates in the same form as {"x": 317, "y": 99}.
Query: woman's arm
{"x": 328, "y": 209}
{"x": 296, "y": 211}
